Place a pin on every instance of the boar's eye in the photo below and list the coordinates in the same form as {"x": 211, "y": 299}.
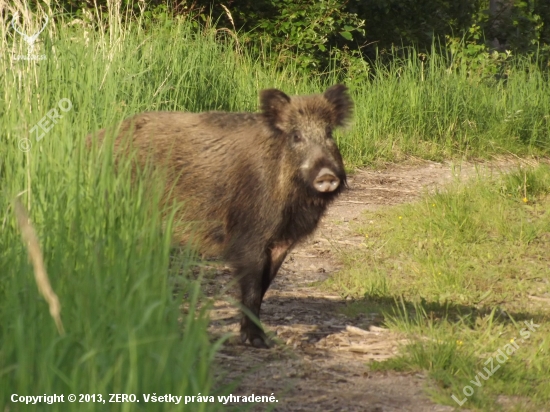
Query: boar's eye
{"x": 296, "y": 137}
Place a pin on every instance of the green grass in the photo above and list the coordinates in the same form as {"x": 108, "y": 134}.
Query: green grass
{"x": 105, "y": 246}
{"x": 460, "y": 272}
{"x": 107, "y": 256}
{"x": 431, "y": 109}
{"x": 426, "y": 110}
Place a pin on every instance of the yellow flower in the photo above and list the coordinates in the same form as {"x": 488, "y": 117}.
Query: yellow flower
{"x": 459, "y": 342}
{"x": 525, "y": 200}
{"x": 400, "y": 217}
{"x": 512, "y": 340}
{"x": 433, "y": 204}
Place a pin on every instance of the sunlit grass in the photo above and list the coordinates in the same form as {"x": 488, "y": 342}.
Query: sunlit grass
{"x": 460, "y": 272}
{"x": 106, "y": 240}
{"x": 429, "y": 111}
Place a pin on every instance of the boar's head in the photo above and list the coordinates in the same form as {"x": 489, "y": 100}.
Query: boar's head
{"x": 311, "y": 155}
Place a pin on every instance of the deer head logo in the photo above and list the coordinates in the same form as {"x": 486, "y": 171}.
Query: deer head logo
{"x": 29, "y": 39}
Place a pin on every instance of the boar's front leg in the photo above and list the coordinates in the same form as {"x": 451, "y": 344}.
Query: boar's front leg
{"x": 254, "y": 284}
{"x": 251, "y": 282}
{"x": 275, "y": 256}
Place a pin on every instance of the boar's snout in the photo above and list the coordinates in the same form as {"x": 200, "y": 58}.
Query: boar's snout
{"x": 323, "y": 171}
{"x": 326, "y": 181}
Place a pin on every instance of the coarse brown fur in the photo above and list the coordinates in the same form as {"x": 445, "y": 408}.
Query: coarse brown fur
{"x": 247, "y": 178}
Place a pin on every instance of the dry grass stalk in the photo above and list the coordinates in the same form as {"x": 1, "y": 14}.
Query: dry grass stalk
{"x": 229, "y": 16}
{"x": 232, "y": 33}
{"x": 35, "y": 255}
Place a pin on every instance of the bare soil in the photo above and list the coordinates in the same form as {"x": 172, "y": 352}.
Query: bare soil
{"x": 321, "y": 361}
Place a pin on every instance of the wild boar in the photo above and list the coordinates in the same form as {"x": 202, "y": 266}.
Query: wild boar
{"x": 255, "y": 183}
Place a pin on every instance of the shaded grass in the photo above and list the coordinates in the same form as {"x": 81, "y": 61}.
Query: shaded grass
{"x": 460, "y": 272}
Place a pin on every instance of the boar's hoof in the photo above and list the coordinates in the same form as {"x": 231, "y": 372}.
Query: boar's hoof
{"x": 326, "y": 181}
{"x": 259, "y": 343}
{"x": 256, "y": 338}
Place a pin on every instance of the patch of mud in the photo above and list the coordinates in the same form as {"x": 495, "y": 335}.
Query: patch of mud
{"x": 320, "y": 363}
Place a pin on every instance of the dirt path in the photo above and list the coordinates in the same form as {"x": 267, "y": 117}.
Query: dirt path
{"x": 321, "y": 364}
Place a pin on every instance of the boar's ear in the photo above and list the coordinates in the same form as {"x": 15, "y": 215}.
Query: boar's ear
{"x": 273, "y": 104}
{"x": 342, "y": 105}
